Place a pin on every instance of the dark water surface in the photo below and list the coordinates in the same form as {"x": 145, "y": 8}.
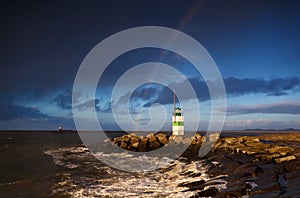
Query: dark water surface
{"x": 25, "y": 170}
{"x": 49, "y": 164}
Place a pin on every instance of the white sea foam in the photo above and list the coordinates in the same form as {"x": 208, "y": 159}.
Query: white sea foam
{"x": 109, "y": 182}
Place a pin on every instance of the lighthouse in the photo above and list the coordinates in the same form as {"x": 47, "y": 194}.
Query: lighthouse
{"x": 177, "y": 120}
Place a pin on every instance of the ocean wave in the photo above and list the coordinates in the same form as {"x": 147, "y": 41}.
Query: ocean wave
{"x": 85, "y": 176}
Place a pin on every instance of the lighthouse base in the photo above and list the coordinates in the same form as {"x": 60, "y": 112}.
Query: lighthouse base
{"x": 178, "y": 130}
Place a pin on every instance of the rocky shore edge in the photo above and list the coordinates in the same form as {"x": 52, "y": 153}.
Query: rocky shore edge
{"x": 255, "y": 165}
{"x": 247, "y": 145}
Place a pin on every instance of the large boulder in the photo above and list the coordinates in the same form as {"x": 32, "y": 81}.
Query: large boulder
{"x": 267, "y": 156}
{"x": 135, "y": 145}
{"x": 124, "y": 144}
{"x": 117, "y": 141}
{"x": 209, "y": 192}
{"x": 125, "y": 138}
{"x": 144, "y": 144}
{"x": 134, "y": 139}
{"x": 285, "y": 159}
{"x": 256, "y": 145}
{"x": 282, "y": 150}
{"x": 154, "y": 144}
{"x": 162, "y": 139}
{"x": 151, "y": 137}
{"x": 197, "y": 139}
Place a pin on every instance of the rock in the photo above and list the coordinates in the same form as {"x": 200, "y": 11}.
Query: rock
{"x": 266, "y": 194}
{"x": 151, "y": 137}
{"x": 245, "y": 170}
{"x": 292, "y": 166}
{"x": 249, "y": 152}
{"x": 269, "y": 168}
{"x": 143, "y": 146}
{"x": 123, "y": 145}
{"x": 154, "y": 144}
{"x": 197, "y": 139}
{"x": 134, "y": 139}
{"x": 234, "y": 191}
{"x": 267, "y": 182}
{"x": 258, "y": 170}
{"x": 162, "y": 138}
{"x": 282, "y": 150}
{"x": 197, "y": 136}
{"x": 207, "y": 193}
{"x": 144, "y": 139}
{"x": 292, "y": 187}
{"x": 252, "y": 147}
{"x": 117, "y": 141}
{"x": 132, "y": 135}
{"x": 238, "y": 189}
{"x": 125, "y": 138}
{"x": 268, "y": 157}
{"x": 213, "y": 137}
{"x": 256, "y": 145}
{"x": 195, "y": 184}
{"x": 242, "y": 149}
{"x": 230, "y": 140}
{"x": 285, "y": 159}
{"x": 244, "y": 159}
{"x": 135, "y": 145}
{"x": 254, "y": 139}
{"x": 218, "y": 144}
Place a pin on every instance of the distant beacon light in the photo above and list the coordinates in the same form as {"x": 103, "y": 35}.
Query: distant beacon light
{"x": 60, "y": 128}
{"x": 177, "y": 120}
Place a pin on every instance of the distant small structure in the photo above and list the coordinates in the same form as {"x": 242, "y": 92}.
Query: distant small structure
{"x": 177, "y": 120}
{"x": 60, "y": 129}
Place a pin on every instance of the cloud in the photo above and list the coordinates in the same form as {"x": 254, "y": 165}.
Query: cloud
{"x": 272, "y": 87}
{"x": 287, "y": 107}
{"x": 234, "y": 87}
{"x": 150, "y": 94}
{"x": 142, "y": 94}
{"x": 90, "y": 104}
{"x": 63, "y": 100}
{"x": 11, "y": 111}
{"x": 94, "y": 104}
{"x": 104, "y": 108}
{"x": 147, "y": 95}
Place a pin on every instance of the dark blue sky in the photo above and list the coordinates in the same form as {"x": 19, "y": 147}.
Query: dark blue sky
{"x": 255, "y": 44}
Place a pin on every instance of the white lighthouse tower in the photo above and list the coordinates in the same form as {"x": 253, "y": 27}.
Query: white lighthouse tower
{"x": 177, "y": 120}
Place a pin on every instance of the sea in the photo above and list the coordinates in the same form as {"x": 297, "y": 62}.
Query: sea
{"x": 49, "y": 164}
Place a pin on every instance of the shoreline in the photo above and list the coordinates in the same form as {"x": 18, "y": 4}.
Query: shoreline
{"x": 115, "y": 133}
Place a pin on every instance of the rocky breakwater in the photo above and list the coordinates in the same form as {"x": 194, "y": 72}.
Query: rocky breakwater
{"x": 255, "y": 147}
{"x": 153, "y": 141}
{"x": 141, "y": 143}
{"x": 257, "y": 167}
{"x": 253, "y": 165}
{"x": 247, "y": 145}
